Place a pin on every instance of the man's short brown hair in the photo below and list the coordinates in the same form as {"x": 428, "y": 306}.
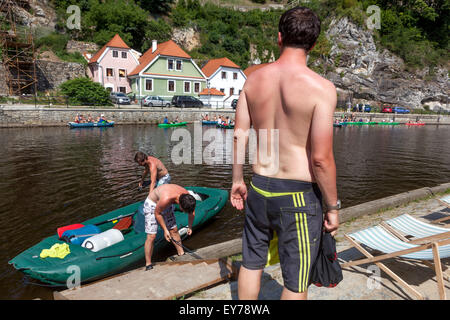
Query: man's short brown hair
{"x": 299, "y": 28}
{"x": 140, "y": 156}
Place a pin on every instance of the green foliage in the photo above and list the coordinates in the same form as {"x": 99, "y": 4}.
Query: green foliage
{"x": 84, "y": 91}
{"x": 57, "y": 44}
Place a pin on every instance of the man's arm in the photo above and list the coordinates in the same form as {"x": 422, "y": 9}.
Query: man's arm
{"x": 322, "y": 157}
{"x": 191, "y": 218}
{"x": 153, "y": 176}
{"x": 241, "y": 132}
{"x": 143, "y": 176}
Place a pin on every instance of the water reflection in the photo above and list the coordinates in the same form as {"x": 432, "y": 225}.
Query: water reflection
{"x": 51, "y": 177}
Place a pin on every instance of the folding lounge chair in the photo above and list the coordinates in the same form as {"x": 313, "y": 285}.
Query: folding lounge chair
{"x": 378, "y": 238}
{"x": 446, "y": 202}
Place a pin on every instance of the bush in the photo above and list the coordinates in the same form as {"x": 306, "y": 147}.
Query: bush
{"x": 83, "y": 91}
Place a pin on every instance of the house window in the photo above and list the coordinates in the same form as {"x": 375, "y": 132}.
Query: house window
{"x": 224, "y": 75}
{"x": 171, "y": 85}
{"x": 149, "y": 84}
{"x": 124, "y": 54}
{"x": 170, "y": 64}
{"x": 115, "y": 54}
{"x": 231, "y": 91}
{"x": 122, "y": 89}
{"x": 196, "y": 87}
{"x": 222, "y": 90}
{"x": 187, "y": 87}
{"x": 122, "y": 73}
{"x": 179, "y": 65}
{"x": 234, "y": 75}
{"x": 109, "y": 72}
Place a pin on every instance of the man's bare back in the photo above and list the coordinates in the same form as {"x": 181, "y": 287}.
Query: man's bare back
{"x": 166, "y": 193}
{"x": 161, "y": 170}
{"x": 284, "y": 96}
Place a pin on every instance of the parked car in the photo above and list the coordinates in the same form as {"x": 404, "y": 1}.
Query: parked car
{"x": 155, "y": 101}
{"x": 234, "y": 103}
{"x": 367, "y": 108}
{"x": 186, "y": 102}
{"x": 400, "y": 110}
{"x": 119, "y": 98}
{"x": 386, "y": 109}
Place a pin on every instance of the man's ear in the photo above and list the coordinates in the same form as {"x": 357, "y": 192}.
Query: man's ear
{"x": 280, "y": 40}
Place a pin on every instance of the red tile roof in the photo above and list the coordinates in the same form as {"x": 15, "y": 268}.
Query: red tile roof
{"x": 253, "y": 68}
{"x": 212, "y": 65}
{"x": 115, "y": 42}
{"x": 211, "y": 92}
{"x": 168, "y": 48}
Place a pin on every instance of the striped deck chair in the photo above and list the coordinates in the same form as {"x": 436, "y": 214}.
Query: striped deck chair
{"x": 380, "y": 239}
{"x": 413, "y": 227}
{"x": 446, "y": 202}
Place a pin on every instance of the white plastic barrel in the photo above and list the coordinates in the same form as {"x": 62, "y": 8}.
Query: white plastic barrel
{"x": 103, "y": 240}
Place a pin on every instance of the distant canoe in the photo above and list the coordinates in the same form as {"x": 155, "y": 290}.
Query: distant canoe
{"x": 91, "y": 124}
{"x": 209, "y": 123}
{"x": 223, "y": 126}
{"x": 337, "y": 125}
{"x": 415, "y": 124}
{"x": 168, "y": 125}
{"x": 389, "y": 123}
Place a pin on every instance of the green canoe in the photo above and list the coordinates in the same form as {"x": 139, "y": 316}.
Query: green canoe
{"x": 388, "y": 123}
{"x": 167, "y": 125}
{"x": 112, "y": 259}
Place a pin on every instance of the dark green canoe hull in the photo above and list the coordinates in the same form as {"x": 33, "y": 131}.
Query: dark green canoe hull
{"x": 96, "y": 265}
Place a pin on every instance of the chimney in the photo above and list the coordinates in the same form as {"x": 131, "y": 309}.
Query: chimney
{"x": 154, "y": 45}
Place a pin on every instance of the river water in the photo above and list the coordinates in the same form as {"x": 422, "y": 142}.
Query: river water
{"x": 50, "y": 177}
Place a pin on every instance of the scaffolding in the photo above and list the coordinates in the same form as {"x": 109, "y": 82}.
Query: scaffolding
{"x": 17, "y": 50}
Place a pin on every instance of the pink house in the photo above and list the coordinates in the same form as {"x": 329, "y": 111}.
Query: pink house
{"x": 111, "y": 65}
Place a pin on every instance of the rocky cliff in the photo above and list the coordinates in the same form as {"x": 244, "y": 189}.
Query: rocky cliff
{"x": 370, "y": 74}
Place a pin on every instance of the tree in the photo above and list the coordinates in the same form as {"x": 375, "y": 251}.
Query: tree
{"x": 84, "y": 91}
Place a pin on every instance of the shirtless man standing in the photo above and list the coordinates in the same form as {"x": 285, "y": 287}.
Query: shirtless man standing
{"x": 158, "y": 208}
{"x": 284, "y": 202}
{"x": 158, "y": 172}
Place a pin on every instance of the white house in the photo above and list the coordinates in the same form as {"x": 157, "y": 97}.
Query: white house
{"x": 225, "y": 76}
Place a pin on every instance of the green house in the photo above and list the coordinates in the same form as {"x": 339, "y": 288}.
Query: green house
{"x": 165, "y": 70}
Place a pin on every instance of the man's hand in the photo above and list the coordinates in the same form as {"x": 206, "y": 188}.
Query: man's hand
{"x": 167, "y": 235}
{"x": 331, "y": 221}
{"x": 238, "y": 195}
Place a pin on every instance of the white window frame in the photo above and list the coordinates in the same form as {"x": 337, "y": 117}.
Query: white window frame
{"x": 126, "y": 55}
{"x": 118, "y": 89}
{"x": 173, "y": 64}
{"x": 174, "y": 86}
{"x": 199, "y": 87}
{"x": 106, "y": 72}
{"x": 115, "y": 51}
{"x": 184, "y": 87}
{"x": 145, "y": 85}
{"x": 176, "y": 65}
{"x": 222, "y": 75}
{"x": 125, "y": 74}
{"x": 235, "y": 73}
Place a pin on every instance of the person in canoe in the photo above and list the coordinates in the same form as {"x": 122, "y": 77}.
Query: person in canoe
{"x": 166, "y": 120}
{"x": 78, "y": 119}
{"x": 89, "y": 119}
{"x": 176, "y": 120}
{"x": 159, "y": 209}
{"x": 158, "y": 172}
{"x": 102, "y": 119}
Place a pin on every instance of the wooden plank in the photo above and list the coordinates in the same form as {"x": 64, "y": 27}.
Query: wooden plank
{"x": 438, "y": 269}
{"x": 219, "y": 250}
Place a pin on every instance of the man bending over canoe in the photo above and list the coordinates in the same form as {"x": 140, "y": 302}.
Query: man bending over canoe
{"x": 159, "y": 208}
{"x": 158, "y": 172}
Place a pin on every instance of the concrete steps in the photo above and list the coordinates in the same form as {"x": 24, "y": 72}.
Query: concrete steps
{"x": 166, "y": 280}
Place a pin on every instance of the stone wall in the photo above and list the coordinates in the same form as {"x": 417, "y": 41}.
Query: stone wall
{"x": 80, "y": 46}
{"x": 13, "y": 116}
{"x": 51, "y": 74}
